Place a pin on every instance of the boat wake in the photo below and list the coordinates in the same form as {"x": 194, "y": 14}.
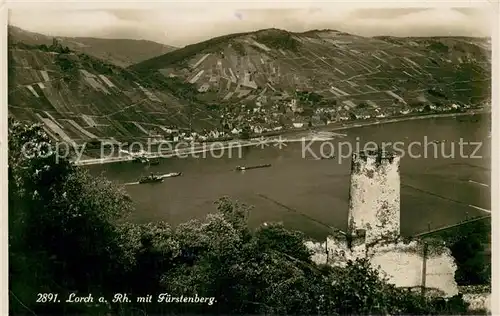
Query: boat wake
{"x": 159, "y": 176}
{"x": 169, "y": 175}
{"x": 131, "y": 183}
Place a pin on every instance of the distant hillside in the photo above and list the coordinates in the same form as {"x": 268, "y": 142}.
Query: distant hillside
{"x": 331, "y": 69}
{"x": 244, "y": 84}
{"x": 80, "y": 98}
{"x": 120, "y": 52}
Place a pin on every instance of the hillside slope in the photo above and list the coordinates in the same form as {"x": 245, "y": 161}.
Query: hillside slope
{"x": 347, "y": 74}
{"x": 120, "y": 52}
{"x": 246, "y": 83}
{"x": 80, "y": 98}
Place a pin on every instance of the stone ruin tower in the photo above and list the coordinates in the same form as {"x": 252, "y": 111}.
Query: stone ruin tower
{"x": 374, "y": 197}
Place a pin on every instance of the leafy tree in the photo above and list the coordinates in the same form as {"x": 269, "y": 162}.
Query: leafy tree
{"x": 239, "y": 48}
{"x": 269, "y": 271}
{"x": 68, "y": 65}
{"x": 363, "y": 105}
{"x": 65, "y": 232}
{"x": 467, "y": 244}
{"x": 278, "y": 39}
{"x": 245, "y": 132}
{"x": 69, "y": 233}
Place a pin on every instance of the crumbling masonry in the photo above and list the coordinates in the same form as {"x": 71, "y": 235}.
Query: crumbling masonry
{"x": 374, "y": 201}
{"x": 374, "y": 230}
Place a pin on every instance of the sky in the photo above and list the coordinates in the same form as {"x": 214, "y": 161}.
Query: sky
{"x": 188, "y": 24}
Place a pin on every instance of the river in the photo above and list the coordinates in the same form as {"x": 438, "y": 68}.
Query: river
{"x": 311, "y": 195}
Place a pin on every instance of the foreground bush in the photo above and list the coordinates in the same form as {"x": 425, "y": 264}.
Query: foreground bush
{"x": 68, "y": 232}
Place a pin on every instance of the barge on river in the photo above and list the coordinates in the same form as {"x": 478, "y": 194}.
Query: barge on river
{"x": 158, "y": 178}
{"x": 241, "y": 168}
{"x": 151, "y": 179}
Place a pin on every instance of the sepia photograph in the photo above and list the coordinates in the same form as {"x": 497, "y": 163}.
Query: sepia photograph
{"x": 228, "y": 158}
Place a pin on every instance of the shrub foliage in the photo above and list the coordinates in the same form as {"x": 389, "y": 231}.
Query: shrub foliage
{"x": 69, "y": 233}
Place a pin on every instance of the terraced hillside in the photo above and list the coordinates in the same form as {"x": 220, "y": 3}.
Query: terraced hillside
{"x": 80, "y": 98}
{"x": 120, "y": 52}
{"x": 247, "y": 83}
{"x": 351, "y": 75}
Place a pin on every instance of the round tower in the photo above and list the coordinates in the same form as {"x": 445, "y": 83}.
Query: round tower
{"x": 374, "y": 197}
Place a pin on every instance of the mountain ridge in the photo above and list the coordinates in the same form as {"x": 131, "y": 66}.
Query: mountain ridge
{"x": 118, "y": 51}
{"x": 245, "y": 83}
{"x": 338, "y": 66}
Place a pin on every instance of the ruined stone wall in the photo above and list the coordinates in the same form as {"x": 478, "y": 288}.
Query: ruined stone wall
{"x": 374, "y": 201}
{"x": 374, "y": 231}
{"x": 400, "y": 262}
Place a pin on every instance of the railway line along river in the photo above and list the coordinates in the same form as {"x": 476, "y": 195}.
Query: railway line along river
{"x": 445, "y": 177}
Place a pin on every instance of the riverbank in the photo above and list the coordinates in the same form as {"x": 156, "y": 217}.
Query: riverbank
{"x": 412, "y": 118}
{"x": 264, "y": 140}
